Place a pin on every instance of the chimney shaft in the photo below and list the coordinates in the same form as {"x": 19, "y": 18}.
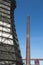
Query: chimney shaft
{"x": 28, "y": 41}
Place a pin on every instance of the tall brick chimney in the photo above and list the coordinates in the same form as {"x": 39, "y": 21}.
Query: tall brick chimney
{"x": 28, "y": 41}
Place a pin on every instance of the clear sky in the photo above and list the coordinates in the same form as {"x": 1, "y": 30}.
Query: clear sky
{"x": 34, "y": 9}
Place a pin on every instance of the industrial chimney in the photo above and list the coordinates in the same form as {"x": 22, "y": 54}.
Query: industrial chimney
{"x": 28, "y": 41}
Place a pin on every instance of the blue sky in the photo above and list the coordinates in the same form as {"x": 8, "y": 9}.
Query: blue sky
{"x": 34, "y": 9}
